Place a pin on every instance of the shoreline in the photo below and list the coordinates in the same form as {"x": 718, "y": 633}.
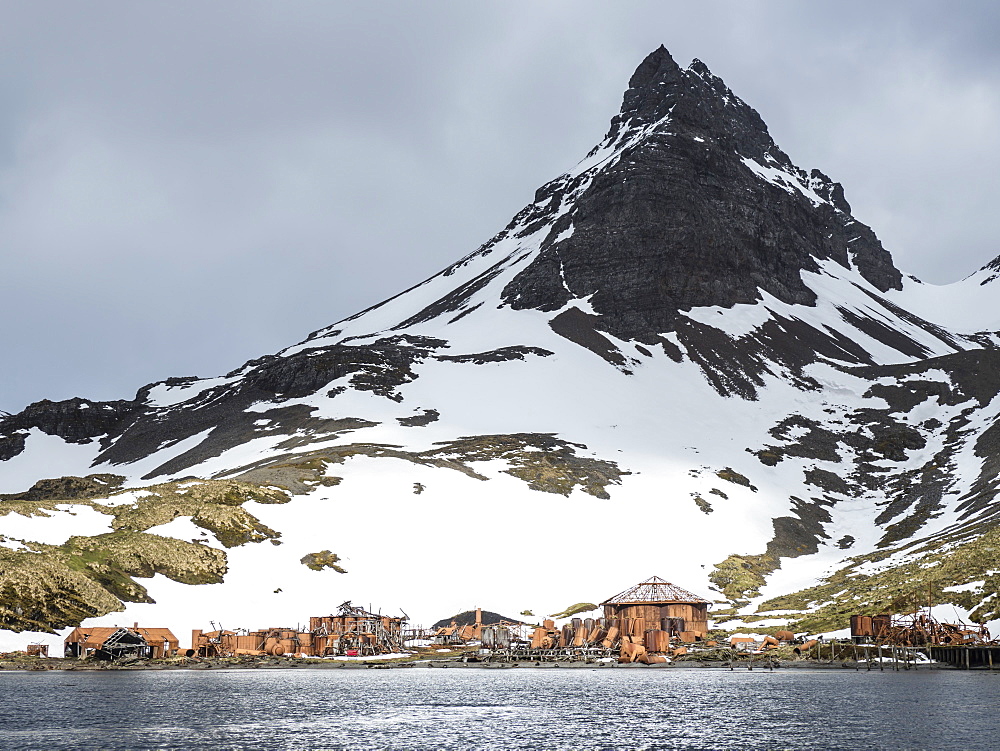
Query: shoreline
{"x": 46, "y": 664}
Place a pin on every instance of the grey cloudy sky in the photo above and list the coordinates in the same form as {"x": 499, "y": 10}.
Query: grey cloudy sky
{"x": 187, "y": 185}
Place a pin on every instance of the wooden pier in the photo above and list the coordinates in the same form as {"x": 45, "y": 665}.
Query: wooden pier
{"x": 967, "y": 657}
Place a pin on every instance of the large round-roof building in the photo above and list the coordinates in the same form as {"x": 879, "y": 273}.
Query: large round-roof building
{"x": 655, "y": 600}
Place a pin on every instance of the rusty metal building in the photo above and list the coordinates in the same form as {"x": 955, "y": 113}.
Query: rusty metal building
{"x": 353, "y": 631}
{"x": 657, "y": 604}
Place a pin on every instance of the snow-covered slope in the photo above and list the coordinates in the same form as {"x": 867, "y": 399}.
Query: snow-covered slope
{"x": 685, "y": 341}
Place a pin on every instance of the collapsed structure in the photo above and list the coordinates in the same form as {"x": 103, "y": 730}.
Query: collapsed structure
{"x": 353, "y": 631}
{"x": 116, "y": 642}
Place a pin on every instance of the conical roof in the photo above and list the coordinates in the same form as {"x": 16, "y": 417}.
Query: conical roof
{"x": 653, "y": 590}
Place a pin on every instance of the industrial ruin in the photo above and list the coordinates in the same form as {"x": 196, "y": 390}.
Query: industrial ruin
{"x": 918, "y": 629}
{"x": 649, "y": 623}
{"x": 352, "y": 632}
{"x": 455, "y": 635}
{"x": 117, "y": 642}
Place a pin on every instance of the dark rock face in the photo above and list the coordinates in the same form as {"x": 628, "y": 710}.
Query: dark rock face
{"x": 74, "y": 420}
{"x": 680, "y": 221}
{"x": 504, "y": 354}
{"x": 130, "y": 430}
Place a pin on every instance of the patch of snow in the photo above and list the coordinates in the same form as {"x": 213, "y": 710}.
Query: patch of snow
{"x": 163, "y": 395}
{"x": 46, "y": 456}
{"x": 56, "y": 526}
{"x": 787, "y": 181}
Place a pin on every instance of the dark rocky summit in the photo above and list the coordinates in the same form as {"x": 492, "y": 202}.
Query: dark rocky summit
{"x": 679, "y": 221}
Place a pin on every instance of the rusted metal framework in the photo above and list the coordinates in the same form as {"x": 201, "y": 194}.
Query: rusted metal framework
{"x": 354, "y": 629}
{"x": 917, "y": 629}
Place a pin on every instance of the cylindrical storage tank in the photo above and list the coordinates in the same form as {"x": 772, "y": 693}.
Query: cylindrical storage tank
{"x": 487, "y": 637}
{"x": 657, "y": 640}
{"x": 649, "y": 640}
{"x": 588, "y": 624}
{"x": 538, "y": 637}
{"x": 502, "y": 637}
{"x": 576, "y": 622}
{"x": 802, "y": 649}
{"x": 611, "y": 638}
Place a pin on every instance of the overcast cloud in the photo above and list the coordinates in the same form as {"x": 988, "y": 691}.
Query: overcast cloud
{"x": 187, "y": 185}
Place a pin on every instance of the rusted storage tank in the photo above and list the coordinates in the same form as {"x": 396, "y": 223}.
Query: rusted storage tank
{"x": 657, "y": 640}
{"x": 502, "y": 637}
{"x": 538, "y": 637}
{"x": 488, "y": 637}
{"x": 862, "y": 627}
{"x": 611, "y": 638}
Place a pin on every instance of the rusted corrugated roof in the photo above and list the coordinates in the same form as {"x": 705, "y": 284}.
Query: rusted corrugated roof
{"x": 156, "y": 634}
{"x": 652, "y": 590}
{"x": 95, "y": 636}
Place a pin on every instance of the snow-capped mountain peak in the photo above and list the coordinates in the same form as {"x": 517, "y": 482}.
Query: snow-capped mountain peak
{"x": 684, "y": 336}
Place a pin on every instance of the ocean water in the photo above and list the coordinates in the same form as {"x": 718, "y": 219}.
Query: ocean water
{"x": 520, "y": 708}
